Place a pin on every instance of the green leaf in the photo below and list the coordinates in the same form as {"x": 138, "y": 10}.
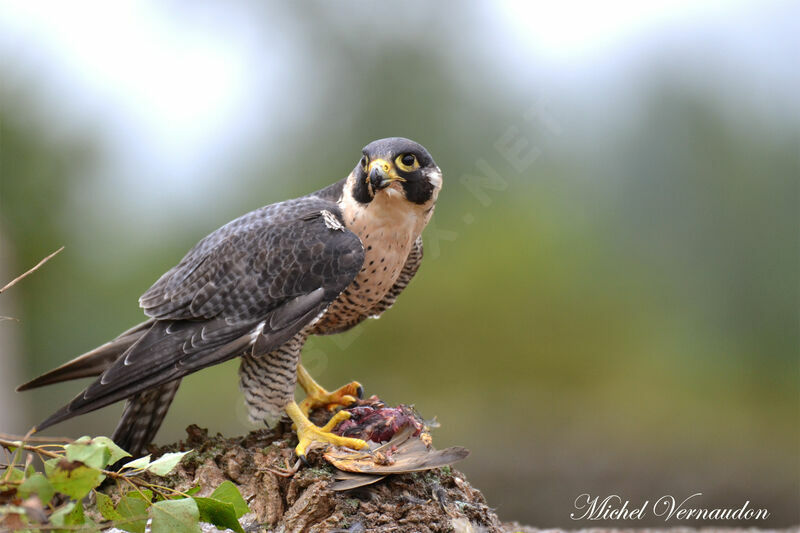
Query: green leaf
{"x": 141, "y": 462}
{"x": 89, "y": 526}
{"x": 134, "y": 510}
{"x": 219, "y": 513}
{"x": 14, "y": 474}
{"x": 106, "y": 507}
{"x": 71, "y": 514}
{"x": 75, "y": 479}
{"x": 175, "y": 516}
{"x": 194, "y": 490}
{"x": 37, "y": 484}
{"x": 143, "y": 494}
{"x": 228, "y": 493}
{"x": 59, "y": 517}
{"x": 117, "y": 453}
{"x": 50, "y": 466}
{"x": 88, "y": 452}
{"x": 166, "y": 463}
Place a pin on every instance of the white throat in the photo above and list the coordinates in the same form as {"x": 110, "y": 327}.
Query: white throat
{"x": 389, "y": 213}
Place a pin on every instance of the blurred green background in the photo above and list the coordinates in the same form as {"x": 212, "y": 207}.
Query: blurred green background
{"x": 609, "y": 300}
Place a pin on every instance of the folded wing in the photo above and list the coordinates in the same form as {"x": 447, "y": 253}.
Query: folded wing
{"x": 255, "y": 282}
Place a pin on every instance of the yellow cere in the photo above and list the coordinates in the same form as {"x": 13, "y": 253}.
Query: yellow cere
{"x": 388, "y": 168}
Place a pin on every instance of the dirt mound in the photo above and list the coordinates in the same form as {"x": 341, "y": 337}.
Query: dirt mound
{"x": 260, "y": 465}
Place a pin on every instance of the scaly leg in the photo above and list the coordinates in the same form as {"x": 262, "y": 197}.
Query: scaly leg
{"x": 316, "y": 396}
{"x": 308, "y": 433}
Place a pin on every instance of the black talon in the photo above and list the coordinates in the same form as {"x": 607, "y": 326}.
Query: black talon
{"x": 303, "y": 458}
{"x": 360, "y": 392}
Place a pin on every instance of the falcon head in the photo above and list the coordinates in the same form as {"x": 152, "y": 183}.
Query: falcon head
{"x": 396, "y": 169}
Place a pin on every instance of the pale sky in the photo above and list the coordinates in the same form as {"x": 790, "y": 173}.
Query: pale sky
{"x": 140, "y": 71}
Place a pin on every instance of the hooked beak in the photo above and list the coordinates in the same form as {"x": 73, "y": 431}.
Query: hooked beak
{"x": 381, "y": 174}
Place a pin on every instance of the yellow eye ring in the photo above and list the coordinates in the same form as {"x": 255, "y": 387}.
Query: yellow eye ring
{"x": 407, "y": 162}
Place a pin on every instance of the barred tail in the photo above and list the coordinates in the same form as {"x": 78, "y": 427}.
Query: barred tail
{"x": 142, "y": 417}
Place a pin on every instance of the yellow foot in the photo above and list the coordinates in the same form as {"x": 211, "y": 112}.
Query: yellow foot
{"x": 319, "y": 397}
{"x": 308, "y": 434}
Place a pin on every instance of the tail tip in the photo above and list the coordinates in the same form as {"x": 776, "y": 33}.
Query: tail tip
{"x": 32, "y": 384}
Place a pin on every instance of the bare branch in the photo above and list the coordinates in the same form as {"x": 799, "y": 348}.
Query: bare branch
{"x": 43, "y": 440}
{"x": 39, "y": 264}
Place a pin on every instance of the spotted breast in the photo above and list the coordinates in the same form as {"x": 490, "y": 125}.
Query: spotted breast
{"x": 388, "y": 236}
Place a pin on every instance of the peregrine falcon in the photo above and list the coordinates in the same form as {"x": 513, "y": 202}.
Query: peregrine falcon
{"x": 256, "y": 288}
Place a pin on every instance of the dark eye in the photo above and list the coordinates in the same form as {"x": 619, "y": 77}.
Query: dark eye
{"x": 364, "y": 162}
{"x": 408, "y": 160}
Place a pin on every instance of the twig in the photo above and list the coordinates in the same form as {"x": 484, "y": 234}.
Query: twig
{"x": 82, "y": 527}
{"x": 14, "y": 457}
{"x": 43, "y": 440}
{"x": 39, "y": 264}
{"x": 170, "y": 489}
{"x": 21, "y": 445}
{"x": 134, "y": 485}
{"x": 289, "y": 471}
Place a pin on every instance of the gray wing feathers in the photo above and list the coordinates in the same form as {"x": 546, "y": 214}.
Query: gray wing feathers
{"x": 251, "y": 264}
{"x": 266, "y": 267}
